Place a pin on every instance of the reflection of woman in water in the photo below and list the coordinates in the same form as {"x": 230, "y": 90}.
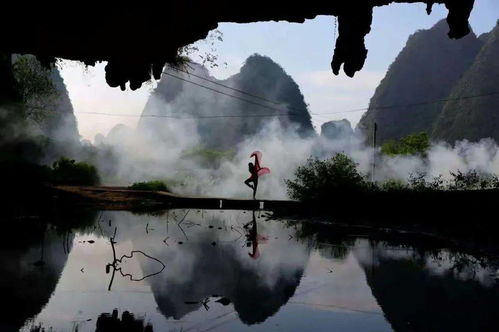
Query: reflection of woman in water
{"x": 253, "y": 238}
{"x": 255, "y": 170}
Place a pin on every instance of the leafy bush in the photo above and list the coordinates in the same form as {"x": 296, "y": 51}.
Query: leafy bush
{"x": 394, "y": 185}
{"x": 69, "y": 172}
{"x": 419, "y": 182}
{"x": 408, "y": 145}
{"x": 149, "y": 185}
{"x": 472, "y": 180}
{"x": 318, "y": 179}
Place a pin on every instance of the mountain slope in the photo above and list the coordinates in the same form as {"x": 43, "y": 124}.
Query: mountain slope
{"x": 426, "y": 69}
{"x": 222, "y": 121}
{"x": 34, "y": 131}
{"x": 474, "y": 118}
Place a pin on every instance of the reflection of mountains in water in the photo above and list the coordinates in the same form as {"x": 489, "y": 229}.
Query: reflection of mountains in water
{"x": 198, "y": 269}
{"x": 221, "y": 272}
{"x": 32, "y": 258}
{"x": 416, "y": 297}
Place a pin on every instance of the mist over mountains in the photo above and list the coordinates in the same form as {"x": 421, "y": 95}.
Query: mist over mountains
{"x": 431, "y": 67}
{"x": 234, "y": 119}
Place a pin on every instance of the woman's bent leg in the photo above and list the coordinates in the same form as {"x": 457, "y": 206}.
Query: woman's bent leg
{"x": 248, "y": 183}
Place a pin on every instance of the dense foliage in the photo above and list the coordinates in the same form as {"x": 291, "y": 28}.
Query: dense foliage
{"x": 69, "y": 172}
{"x": 155, "y": 185}
{"x": 318, "y": 179}
{"x": 408, "y": 145}
{"x": 36, "y": 87}
{"x": 459, "y": 180}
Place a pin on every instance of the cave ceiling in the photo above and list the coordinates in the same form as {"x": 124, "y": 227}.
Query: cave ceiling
{"x": 138, "y": 39}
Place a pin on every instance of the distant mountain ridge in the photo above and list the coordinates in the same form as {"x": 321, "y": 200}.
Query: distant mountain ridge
{"x": 220, "y": 120}
{"x": 430, "y": 68}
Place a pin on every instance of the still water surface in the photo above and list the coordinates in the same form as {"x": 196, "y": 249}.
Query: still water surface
{"x": 202, "y": 270}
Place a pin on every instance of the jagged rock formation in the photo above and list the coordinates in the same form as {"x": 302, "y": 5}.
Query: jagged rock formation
{"x": 337, "y": 129}
{"x": 138, "y": 39}
{"x": 426, "y": 69}
{"x": 260, "y": 76}
{"x": 62, "y": 127}
{"x": 474, "y": 118}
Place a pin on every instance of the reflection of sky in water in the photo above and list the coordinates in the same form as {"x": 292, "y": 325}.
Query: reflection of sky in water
{"x": 294, "y": 285}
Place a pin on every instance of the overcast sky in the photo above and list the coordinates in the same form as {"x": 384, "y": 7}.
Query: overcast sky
{"x": 303, "y": 50}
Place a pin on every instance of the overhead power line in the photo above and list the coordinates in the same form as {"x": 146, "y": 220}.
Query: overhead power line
{"x": 288, "y": 113}
{"x": 282, "y": 112}
{"x": 236, "y": 97}
{"x": 226, "y": 86}
{"x": 338, "y": 112}
{"x": 414, "y": 104}
{"x": 184, "y": 117}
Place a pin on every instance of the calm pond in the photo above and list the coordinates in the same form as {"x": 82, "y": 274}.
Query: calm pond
{"x": 216, "y": 270}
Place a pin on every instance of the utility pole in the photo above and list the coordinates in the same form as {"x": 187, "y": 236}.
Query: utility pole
{"x": 374, "y": 151}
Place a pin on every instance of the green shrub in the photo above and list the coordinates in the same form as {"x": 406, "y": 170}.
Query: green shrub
{"x": 408, "y": 145}
{"x": 69, "y": 172}
{"x": 149, "y": 185}
{"x": 418, "y": 182}
{"x": 393, "y": 185}
{"x": 472, "y": 180}
{"x": 318, "y": 179}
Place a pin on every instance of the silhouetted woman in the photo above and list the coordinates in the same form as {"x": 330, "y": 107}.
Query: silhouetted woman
{"x": 255, "y": 170}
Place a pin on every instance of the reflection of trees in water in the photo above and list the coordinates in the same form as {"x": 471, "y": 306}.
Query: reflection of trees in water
{"x": 330, "y": 242}
{"x": 33, "y": 256}
{"x": 414, "y": 297}
{"x": 127, "y": 323}
{"x": 419, "y": 286}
